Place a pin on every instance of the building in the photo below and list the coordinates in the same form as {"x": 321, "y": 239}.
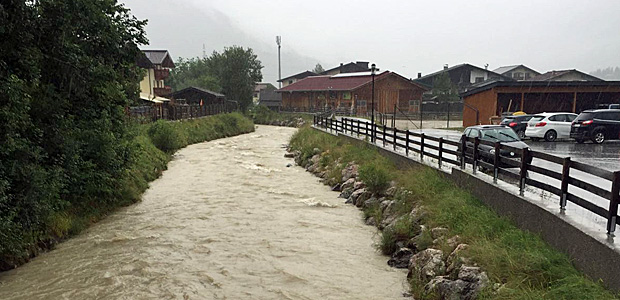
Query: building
{"x": 352, "y": 67}
{"x": 495, "y": 98}
{"x": 259, "y": 87}
{"x": 565, "y": 75}
{"x": 463, "y": 76}
{"x": 517, "y": 72}
{"x": 353, "y": 91}
{"x": 198, "y": 96}
{"x": 294, "y": 78}
{"x": 153, "y": 83}
{"x": 270, "y": 98}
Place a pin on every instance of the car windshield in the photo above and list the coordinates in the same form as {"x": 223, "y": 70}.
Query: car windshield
{"x": 584, "y": 116}
{"x": 499, "y": 134}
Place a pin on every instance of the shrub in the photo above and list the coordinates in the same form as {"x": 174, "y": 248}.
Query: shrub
{"x": 165, "y": 138}
{"x": 376, "y": 177}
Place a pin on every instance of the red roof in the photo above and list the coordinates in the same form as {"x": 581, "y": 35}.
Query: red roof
{"x": 330, "y": 83}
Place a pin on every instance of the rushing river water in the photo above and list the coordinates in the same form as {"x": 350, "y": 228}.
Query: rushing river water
{"x": 227, "y": 220}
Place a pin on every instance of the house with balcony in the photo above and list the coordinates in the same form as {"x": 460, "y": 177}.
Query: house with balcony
{"x": 157, "y": 64}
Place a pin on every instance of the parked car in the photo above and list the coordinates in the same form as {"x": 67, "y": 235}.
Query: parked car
{"x": 494, "y": 133}
{"x": 597, "y": 125}
{"x": 608, "y": 106}
{"x": 517, "y": 123}
{"x": 550, "y": 126}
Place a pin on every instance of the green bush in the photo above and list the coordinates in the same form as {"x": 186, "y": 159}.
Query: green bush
{"x": 376, "y": 177}
{"x": 165, "y": 137}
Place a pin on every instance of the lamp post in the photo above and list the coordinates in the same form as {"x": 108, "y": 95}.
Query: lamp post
{"x": 372, "y": 103}
{"x": 279, "y": 42}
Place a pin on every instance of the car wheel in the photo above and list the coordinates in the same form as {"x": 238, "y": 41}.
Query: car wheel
{"x": 551, "y": 135}
{"x": 521, "y": 134}
{"x": 579, "y": 141}
{"x": 599, "y": 136}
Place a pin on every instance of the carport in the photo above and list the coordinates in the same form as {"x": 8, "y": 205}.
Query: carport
{"x": 495, "y": 98}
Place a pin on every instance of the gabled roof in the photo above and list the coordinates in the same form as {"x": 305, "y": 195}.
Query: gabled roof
{"x": 263, "y": 85}
{"x": 557, "y": 73}
{"x": 505, "y": 69}
{"x": 143, "y": 62}
{"x": 301, "y": 75}
{"x": 351, "y": 67}
{"x": 196, "y": 89}
{"x": 159, "y": 57}
{"x": 340, "y": 82}
{"x": 457, "y": 67}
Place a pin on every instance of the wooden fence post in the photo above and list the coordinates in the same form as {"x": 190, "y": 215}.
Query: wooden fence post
{"x": 564, "y": 186}
{"x": 496, "y": 159}
{"x": 407, "y": 144}
{"x": 394, "y": 131}
{"x": 475, "y": 162}
{"x": 440, "y": 151}
{"x": 422, "y": 146}
{"x": 383, "y": 136}
{"x": 525, "y": 156}
{"x": 613, "y": 205}
{"x": 463, "y": 150}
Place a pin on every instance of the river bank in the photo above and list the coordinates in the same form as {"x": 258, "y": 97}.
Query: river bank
{"x": 151, "y": 149}
{"x": 228, "y": 219}
{"x": 427, "y": 222}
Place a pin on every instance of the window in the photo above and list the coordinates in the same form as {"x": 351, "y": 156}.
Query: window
{"x": 473, "y": 133}
{"x": 570, "y": 118}
{"x": 528, "y": 76}
{"x": 517, "y": 75}
{"x": 332, "y": 95}
{"x": 479, "y": 79}
{"x": 290, "y": 81}
{"x": 346, "y": 95}
{"x": 361, "y": 103}
{"x": 558, "y": 118}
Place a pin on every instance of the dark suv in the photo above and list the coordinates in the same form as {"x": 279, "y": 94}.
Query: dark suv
{"x": 517, "y": 123}
{"x": 597, "y": 125}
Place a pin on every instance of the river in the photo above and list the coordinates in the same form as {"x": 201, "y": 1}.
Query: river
{"x": 227, "y": 220}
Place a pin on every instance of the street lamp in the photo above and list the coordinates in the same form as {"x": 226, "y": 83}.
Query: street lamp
{"x": 372, "y": 103}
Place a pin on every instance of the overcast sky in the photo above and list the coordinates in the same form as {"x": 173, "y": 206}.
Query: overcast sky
{"x": 403, "y": 36}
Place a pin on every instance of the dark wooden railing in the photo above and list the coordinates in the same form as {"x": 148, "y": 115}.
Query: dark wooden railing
{"x": 468, "y": 151}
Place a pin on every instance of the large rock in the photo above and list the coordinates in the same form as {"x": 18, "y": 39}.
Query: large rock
{"x": 358, "y": 185}
{"x": 289, "y": 155}
{"x": 372, "y": 201}
{"x": 348, "y": 184}
{"x": 439, "y": 232}
{"x": 350, "y": 171}
{"x": 446, "y": 289}
{"x": 456, "y": 259}
{"x": 361, "y": 199}
{"x": 400, "y": 258}
{"x": 427, "y": 264}
{"x": 356, "y": 195}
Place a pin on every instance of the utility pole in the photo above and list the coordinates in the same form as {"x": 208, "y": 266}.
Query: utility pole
{"x": 279, "y": 42}
{"x": 372, "y": 105}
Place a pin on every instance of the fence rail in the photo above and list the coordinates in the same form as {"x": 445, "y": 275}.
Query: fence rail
{"x": 518, "y": 168}
{"x": 178, "y": 112}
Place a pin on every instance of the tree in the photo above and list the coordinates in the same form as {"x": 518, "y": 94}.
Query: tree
{"x": 444, "y": 89}
{"x": 67, "y": 70}
{"x": 318, "y": 69}
{"x": 193, "y": 72}
{"x": 234, "y": 72}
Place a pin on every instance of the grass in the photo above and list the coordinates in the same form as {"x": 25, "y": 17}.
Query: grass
{"x": 521, "y": 263}
{"x": 148, "y": 161}
{"x": 260, "y": 114}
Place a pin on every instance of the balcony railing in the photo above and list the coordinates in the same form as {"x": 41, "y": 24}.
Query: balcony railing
{"x": 161, "y": 74}
{"x": 163, "y": 91}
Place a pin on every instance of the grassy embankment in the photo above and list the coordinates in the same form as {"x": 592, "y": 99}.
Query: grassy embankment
{"x": 519, "y": 264}
{"x": 262, "y": 115}
{"x": 153, "y": 146}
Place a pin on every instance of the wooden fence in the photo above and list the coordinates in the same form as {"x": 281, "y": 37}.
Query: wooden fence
{"x": 460, "y": 154}
{"x": 178, "y": 112}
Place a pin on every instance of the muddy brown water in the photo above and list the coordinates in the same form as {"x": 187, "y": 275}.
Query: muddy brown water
{"x": 227, "y": 220}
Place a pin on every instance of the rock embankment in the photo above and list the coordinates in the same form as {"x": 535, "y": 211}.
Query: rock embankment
{"x": 437, "y": 262}
{"x": 295, "y": 122}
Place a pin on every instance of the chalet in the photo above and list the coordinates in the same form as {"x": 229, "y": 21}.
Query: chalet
{"x": 258, "y": 88}
{"x": 294, "y": 78}
{"x": 159, "y": 69}
{"x": 517, "y": 72}
{"x": 198, "y": 96}
{"x": 271, "y": 99}
{"x": 463, "y": 76}
{"x": 353, "y": 91}
{"x": 494, "y": 98}
{"x": 565, "y": 75}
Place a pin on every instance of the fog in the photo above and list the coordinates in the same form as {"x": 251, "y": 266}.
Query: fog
{"x": 403, "y": 36}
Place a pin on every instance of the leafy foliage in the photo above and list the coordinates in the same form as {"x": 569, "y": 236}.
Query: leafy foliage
{"x": 234, "y": 72}
{"x": 375, "y": 176}
{"x": 318, "y": 69}
{"x": 67, "y": 70}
